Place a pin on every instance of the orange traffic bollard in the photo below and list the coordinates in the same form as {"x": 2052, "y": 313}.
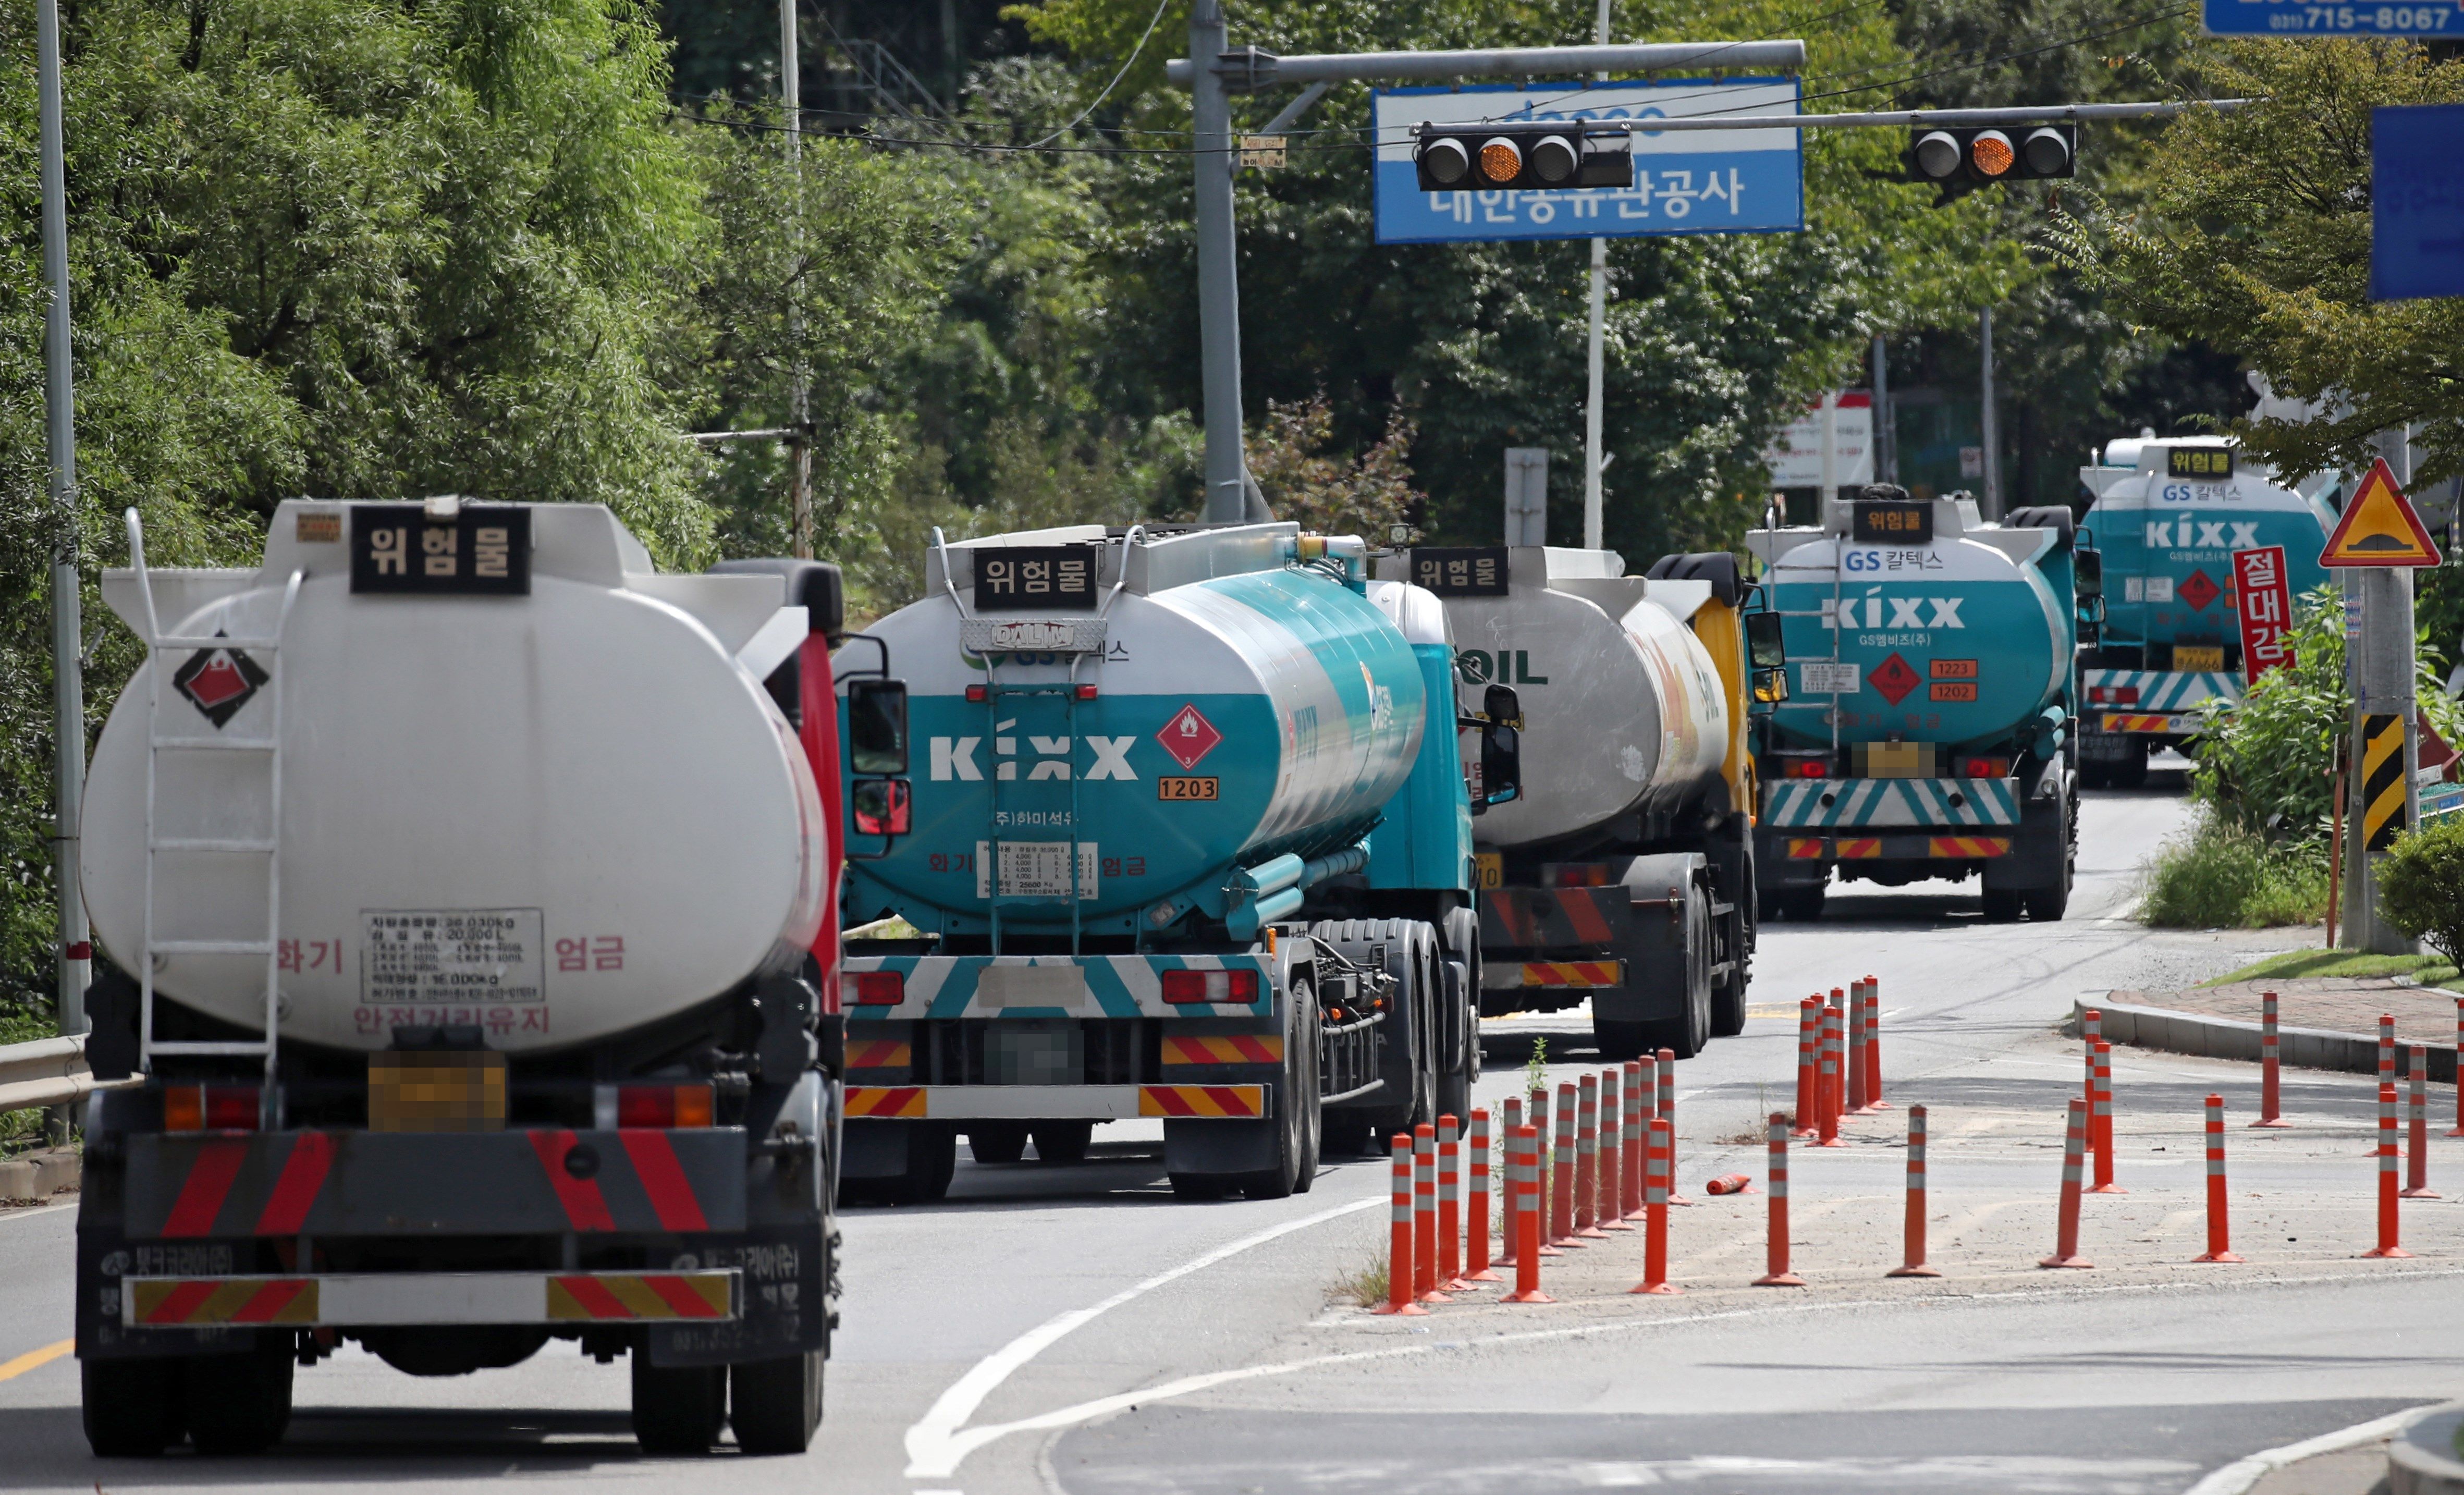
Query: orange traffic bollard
{"x": 2271, "y": 1082}
{"x": 1730, "y": 1183}
{"x": 2101, "y": 1117}
{"x": 1873, "y": 1047}
{"x": 1587, "y": 1159}
{"x": 1630, "y": 1139}
{"x": 1610, "y": 1213}
{"x": 2219, "y": 1233}
{"x": 1826, "y": 1080}
{"x": 2387, "y": 1048}
{"x": 1854, "y": 1067}
{"x": 1776, "y": 1272}
{"x": 1449, "y": 1207}
{"x": 2388, "y": 1246}
{"x": 1808, "y": 1043}
{"x": 1539, "y": 1121}
{"x": 1398, "y": 1259}
{"x": 1657, "y": 1156}
{"x": 1561, "y": 1183}
{"x": 2416, "y": 1163}
{"x": 1523, "y": 1181}
{"x": 1512, "y": 1121}
{"x": 1476, "y": 1226}
{"x": 1836, "y": 1015}
{"x": 1424, "y": 1214}
{"x": 1912, "y": 1230}
{"x": 2067, "y": 1225}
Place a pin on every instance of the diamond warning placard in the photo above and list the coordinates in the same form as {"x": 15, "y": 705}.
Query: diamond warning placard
{"x": 2378, "y": 528}
{"x": 1894, "y": 678}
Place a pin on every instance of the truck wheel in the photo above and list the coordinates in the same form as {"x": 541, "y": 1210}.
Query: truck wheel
{"x": 1620, "y": 1042}
{"x": 2130, "y": 772}
{"x": 1692, "y": 1033}
{"x": 1410, "y": 959}
{"x": 2002, "y": 905}
{"x": 133, "y": 1408}
{"x": 776, "y": 1405}
{"x": 1454, "y": 1081}
{"x": 1297, "y": 1108}
{"x": 996, "y": 1141}
{"x": 240, "y": 1403}
{"x": 1804, "y": 905}
{"x": 1063, "y": 1142}
{"x": 1459, "y": 945}
{"x": 676, "y": 1409}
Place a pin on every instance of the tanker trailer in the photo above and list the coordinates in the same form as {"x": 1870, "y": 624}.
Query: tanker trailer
{"x": 470, "y": 882}
{"x": 1926, "y": 732}
{"x": 1191, "y": 842}
{"x": 1623, "y": 874}
{"x": 2170, "y": 517}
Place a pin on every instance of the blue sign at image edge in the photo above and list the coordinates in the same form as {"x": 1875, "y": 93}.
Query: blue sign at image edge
{"x": 2261, "y": 18}
{"x": 2416, "y": 202}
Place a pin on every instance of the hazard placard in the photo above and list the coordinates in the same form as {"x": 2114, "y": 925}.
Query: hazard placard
{"x": 2378, "y": 528}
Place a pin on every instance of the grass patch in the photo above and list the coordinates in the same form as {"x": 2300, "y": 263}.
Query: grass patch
{"x": 1365, "y": 1288}
{"x": 2220, "y": 876}
{"x": 2295, "y": 964}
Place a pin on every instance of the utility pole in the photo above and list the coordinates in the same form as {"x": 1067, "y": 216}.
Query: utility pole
{"x": 1992, "y": 435}
{"x": 1218, "y": 275}
{"x": 799, "y": 415}
{"x": 2380, "y": 665}
{"x": 1886, "y": 437}
{"x": 68, "y": 626}
{"x": 1593, "y": 353}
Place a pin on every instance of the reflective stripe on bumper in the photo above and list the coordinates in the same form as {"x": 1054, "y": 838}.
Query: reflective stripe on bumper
{"x": 1051, "y": 1102}
{"x": 369, "y": 1298}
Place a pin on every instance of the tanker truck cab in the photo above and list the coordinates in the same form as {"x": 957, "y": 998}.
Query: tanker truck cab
{"x": 1622, "y": 876}
{"x": 1191, "y": 844}
{"x": 478, "y": 881}
{"x": 1927, "y": 730}
{"x": 2173, "y": 518}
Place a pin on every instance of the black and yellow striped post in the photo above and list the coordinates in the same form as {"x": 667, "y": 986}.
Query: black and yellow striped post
{"x": 2383, "y": 780}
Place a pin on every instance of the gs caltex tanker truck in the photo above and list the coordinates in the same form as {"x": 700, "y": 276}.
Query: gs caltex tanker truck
{"x": 1624, "y": 873}
{"x": 1927, "y": 730}
{"x": 2169, "y": 516}
{"x": 478, "y": 898}
{"x": 1191, "y": 840}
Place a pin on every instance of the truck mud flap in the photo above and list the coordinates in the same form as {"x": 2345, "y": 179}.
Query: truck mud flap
{"x": 784, "y": 1297}
{"x": 434, "y": 1183}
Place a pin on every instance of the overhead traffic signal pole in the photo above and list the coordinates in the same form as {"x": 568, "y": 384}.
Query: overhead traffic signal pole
{"x": 1230, "y": 494}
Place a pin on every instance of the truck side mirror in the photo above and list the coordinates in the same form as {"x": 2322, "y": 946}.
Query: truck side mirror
{"x": 1501, "y": 746}
{"x": 1764, "y": 650}
{"x": 1771, "y": 687}
{"x": 2087, "y": 570}
{"x": 882, "y": 806}
{"x": 877, "y": 727}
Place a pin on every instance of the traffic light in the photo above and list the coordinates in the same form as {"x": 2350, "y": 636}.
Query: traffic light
{"x": 1998, "y": 153}
{"x": 1524, "y": 156}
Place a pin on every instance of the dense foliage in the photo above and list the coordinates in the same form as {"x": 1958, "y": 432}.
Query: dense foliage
{"x": 2421, "y": 886}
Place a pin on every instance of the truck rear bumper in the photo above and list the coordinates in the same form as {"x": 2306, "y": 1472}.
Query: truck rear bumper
{"x": 1878, "y": 804}
{"x": 351, "y": 1300}
{"x": 1890, "y": 848}
{"x": 1055, "y": 1102}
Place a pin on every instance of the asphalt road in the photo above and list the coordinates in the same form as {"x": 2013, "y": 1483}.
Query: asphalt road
{"x": 1075, "y": 1328}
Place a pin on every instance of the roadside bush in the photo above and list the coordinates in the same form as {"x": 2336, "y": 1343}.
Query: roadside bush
{"x": 2223, "y": 876}
{"x": 2421, "y": 887}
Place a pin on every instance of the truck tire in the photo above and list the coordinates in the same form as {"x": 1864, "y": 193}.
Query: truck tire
{"x": 2002, "y": 905}
{"x": 133, "y": 1408}
{"x": 676, "y": 1409}
{"x": 776, "y": 1405}
{"x": 1620, "y": 1042}
{"x": 1686, "y": 1034}
{"x": 1296, "y": 1108}
{"x": 2130, "y": 772}
{"x": 1411, "y": 959}
{"x": 1459, "y": 944}
{"x": 240, "y": 1403}
{"x": 1802, "y": 904}
{"x": 996, "y": 1141}
{"x": 1063, "y": 1142}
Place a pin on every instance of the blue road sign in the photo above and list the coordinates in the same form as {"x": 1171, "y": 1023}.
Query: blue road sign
{"x": 1684, "y": 181}
{"x": 2416, "y": 202}
{"x": 2306, "y": 19}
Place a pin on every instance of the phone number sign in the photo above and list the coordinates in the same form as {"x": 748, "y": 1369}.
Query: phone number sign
{"x": 2296, "y": 19}
{"x": 1684, "y": 181}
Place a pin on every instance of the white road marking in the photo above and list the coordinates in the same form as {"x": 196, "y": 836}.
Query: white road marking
{"x": 2238, "y": 1476}
{"x": 940, "y": 1439}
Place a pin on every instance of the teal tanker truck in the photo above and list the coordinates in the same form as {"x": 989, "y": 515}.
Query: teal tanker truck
{"x": 1928, "y": 727}
{"x": 1189, "y": 839}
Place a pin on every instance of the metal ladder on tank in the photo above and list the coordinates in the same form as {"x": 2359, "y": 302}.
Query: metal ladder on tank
{"x": 159, "y": 646}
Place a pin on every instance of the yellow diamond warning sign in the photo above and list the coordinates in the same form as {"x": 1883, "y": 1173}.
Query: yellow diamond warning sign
{"x": 2378, "y": 528}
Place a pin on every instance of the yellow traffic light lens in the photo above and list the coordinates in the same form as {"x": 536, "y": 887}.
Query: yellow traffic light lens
{"x": 1992, "y": 153}
{"x": 1500, "y": 162}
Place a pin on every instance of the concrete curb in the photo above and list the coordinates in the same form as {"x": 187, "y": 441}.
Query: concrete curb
{"x": 2230, "y": 1038}
{"x": 2422, "y": 1459}
{"x": 39, "y": 1175}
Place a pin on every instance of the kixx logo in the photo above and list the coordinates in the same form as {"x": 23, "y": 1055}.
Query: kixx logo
{"x": 1905, "y": 611}
{"x": 2166, "y": 534}
{"x": 955, "y": 757}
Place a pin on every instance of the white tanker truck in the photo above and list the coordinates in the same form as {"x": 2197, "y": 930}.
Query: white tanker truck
{"x": 476, "y": 905}
{"x": 1623, "y": 874}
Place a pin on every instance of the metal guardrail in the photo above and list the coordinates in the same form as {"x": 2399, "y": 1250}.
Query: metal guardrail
{"x": 49, "y": 1071}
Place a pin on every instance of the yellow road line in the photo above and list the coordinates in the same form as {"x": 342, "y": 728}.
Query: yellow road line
{"x": 11, "y": 1369}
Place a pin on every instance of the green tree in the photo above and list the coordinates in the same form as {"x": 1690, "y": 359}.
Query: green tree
{"x": 2253, "y": 236}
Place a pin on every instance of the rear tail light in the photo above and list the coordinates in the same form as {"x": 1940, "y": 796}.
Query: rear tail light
{"x": 662, "y": 1106}
{"x": 2113, "y": 695}
{"x": 1805, "y": 768}
{"x": 1579, "y": 874}
{"x": 211, "y": 1107}
{"x": 1182, "y": 987}
{"x": 1086, "y": 692}
{"x": 977, "y": 692}
{"x": 1985, "y": 768}
{"x": 880, "y": 988}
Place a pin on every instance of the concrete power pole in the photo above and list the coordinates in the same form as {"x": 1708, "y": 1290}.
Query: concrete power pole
{"x": 1992, "y": 436}
{"x": 2381, "y": 669}
{"x": 1218, "y": 283}
{"x": 799, "y": 412}
{"x": 1886, "y": 437}
{"x": 1594, "y": 356}
{"x": 68, "y": 625}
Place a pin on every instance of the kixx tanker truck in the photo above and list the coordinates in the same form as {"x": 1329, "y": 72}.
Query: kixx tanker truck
{"x": 1927, "y": 730}
{"x": 475, "y": 901}
{"x": 2169, "y": 516}
{"x": 1624, "y": 873}
{"x": 1191, "y": 840}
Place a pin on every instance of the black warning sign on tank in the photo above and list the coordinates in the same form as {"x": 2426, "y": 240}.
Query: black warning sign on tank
{"x": 2201, "y": 464}
{"x": 1461, "y": 570}
{"x": 1888, "y": 522}
{"x": 482, "y": 551}
{"x": 1035, "y": 578}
